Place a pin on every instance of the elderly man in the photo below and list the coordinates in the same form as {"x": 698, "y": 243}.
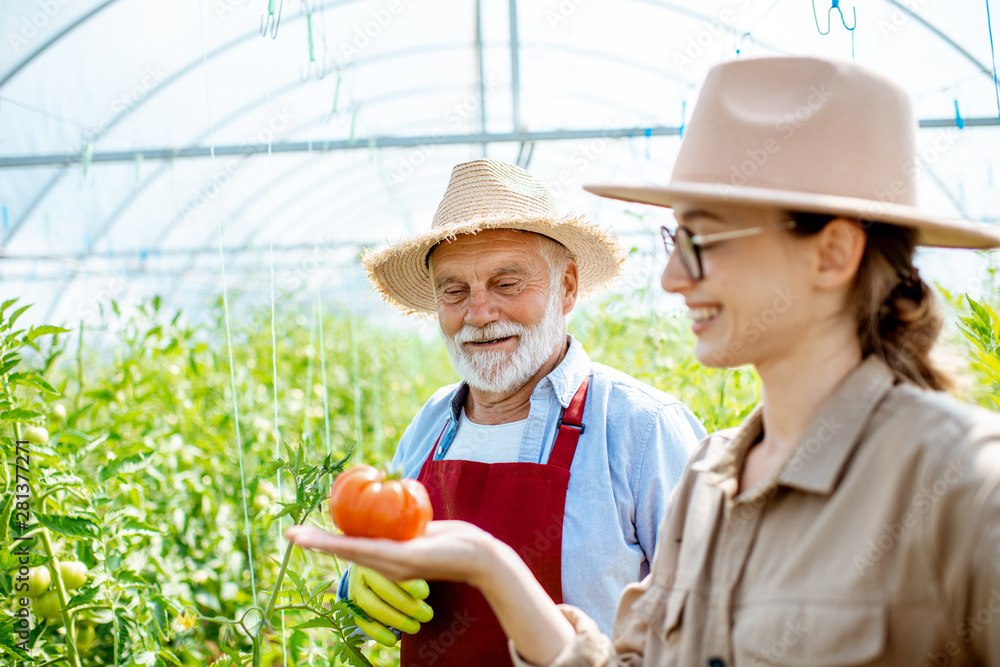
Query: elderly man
{"x": 568, "y": 461}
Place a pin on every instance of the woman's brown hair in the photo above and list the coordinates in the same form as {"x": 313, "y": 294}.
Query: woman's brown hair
{"x": 898, "y": 315}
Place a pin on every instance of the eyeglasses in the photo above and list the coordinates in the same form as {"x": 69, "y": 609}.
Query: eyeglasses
{"x": 690, "y": 244}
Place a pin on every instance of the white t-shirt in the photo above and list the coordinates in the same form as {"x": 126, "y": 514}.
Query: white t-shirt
{"x": 486, "y": 444}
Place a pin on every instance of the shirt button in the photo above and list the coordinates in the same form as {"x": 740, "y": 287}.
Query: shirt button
{"x": 716, "y": 662}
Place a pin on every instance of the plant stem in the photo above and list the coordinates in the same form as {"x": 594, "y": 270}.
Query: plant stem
{"x": 67, "y": 617}
{"x": 277, "y": 585}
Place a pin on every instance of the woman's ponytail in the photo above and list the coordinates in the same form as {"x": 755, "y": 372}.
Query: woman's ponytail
{"x": 898, "y": 315}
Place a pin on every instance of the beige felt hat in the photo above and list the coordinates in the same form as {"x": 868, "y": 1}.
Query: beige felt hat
{"x": 488, "y": 194}
{"x": 807, "y": 135}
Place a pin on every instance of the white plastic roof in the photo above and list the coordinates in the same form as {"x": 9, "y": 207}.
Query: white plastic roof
{"x": 110, "y": 111}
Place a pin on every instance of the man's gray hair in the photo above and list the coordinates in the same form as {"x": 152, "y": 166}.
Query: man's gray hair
{"x": 557, "y": 256}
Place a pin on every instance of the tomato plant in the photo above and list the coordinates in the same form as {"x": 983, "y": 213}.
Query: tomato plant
{"x": 366, "y": 503}
{"x": 143, "y": 480}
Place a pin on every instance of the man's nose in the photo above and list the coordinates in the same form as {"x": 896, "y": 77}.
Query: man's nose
{"x": 482, "y": 308}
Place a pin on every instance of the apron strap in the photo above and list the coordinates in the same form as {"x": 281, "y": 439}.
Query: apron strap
{"x": 570, "y": 427}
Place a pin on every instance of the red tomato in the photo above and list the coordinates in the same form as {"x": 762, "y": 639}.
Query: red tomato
{"x": 363, "y": 503}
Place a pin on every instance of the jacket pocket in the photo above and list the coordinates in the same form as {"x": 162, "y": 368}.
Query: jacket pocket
{"x": 809, "y": 633}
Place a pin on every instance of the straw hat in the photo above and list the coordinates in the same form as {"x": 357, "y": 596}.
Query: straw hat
{"x": 806, "y": 135}
{"x": 487, "y": 194}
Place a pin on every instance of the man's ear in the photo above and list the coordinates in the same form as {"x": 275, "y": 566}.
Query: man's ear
{"x": 840, "y": 245}
{"x": 571, "y": 284}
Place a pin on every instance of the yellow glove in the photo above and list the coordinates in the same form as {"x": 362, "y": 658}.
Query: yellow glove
{"x": 399, "y": 605}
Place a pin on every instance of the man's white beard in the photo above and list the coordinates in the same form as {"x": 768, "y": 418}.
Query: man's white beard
{"x": 500, "y": 372}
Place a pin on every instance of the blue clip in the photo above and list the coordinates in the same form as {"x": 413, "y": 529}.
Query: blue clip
{"x": 958, "y": 118}
{"x": 835, "y": 4}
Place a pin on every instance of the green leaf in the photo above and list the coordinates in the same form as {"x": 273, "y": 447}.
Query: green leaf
{"x": 33, "y": 380}
{"x": 74, "y": 526}
{"x": 45, "y": 330}
{"x": 270, "y": 468}
{"x": 133, "y": 526}
{"x": 16, "y": 314}
{"x": 8, "y": 640}
{"x": 5, "y": 513}
{"x": 9, "y": 363}
{"x": 291, "y": 508}
{"x": 129, "y": 464}
{"x": 83, "y": 596}
{"x": 7, "y": 304}
{"x": 121, "y": 622}
{"x": 19, "y": 415}
{"x": 131, "y": 579}
{"x": 318, "y": 622}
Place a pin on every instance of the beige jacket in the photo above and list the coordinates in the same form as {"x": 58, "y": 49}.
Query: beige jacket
{"x": 876, "y": 543}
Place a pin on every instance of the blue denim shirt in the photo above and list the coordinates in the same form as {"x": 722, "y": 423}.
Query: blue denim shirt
{"x": 631, "y": 454}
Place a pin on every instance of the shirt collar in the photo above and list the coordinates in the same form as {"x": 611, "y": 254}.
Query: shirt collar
{"x": 567, "y": 377}
{"x": 816, "y": 463}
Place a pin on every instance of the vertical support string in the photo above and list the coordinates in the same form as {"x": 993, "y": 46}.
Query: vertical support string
{"x": 355, "y": 357}
{"x": 993, "y": 57}
{"x": 274, "y": 336}
{"x": 310, "y": 355}
{"x": 225, "y": 309}
{"x": 322, "y": 360}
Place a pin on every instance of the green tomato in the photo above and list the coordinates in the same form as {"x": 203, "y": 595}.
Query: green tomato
{"x": 59, "y": 411}
{"x": 37, "y": 435}
{"x": 74, "y": 574}
{"x": 85, "y": 637}
{"x": 47, "y": 606}
{"x": 38, "y": 581}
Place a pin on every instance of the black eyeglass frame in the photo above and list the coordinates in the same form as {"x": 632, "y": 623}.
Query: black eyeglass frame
{"x": 690, "y": 244}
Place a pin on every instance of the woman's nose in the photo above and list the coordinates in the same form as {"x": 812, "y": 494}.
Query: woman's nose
{"x": 676, "y": 278}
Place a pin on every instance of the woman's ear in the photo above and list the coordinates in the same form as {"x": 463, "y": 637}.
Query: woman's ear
{"x": 840, "y": 245}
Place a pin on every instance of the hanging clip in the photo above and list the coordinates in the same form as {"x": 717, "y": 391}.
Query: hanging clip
{"x": 835, "y": 4}
{"x": 312, "y": 67}
{"x": 273, "y": 18}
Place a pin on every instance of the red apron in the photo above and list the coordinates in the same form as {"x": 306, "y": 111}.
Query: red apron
{"x": 519, "y": 503}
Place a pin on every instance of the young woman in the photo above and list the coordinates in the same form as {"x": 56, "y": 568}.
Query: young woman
{"x": 854, "y": 517}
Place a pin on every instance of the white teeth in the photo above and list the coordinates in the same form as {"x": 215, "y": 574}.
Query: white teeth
{"x": 703, "y": 314}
